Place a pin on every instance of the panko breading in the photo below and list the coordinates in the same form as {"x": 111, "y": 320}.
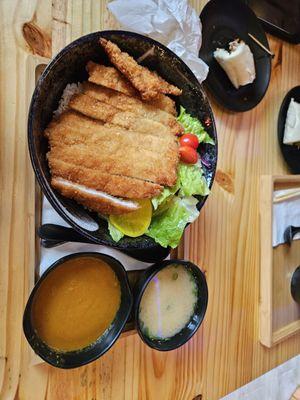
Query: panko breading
{"x": 127, "y": 161}
{"x": 114, "y": 141}
{"x": 111, "y": 78}
{"x": 112, "y": 137}
{"x": 122, "y": 101}
{"x": 126, "y": 120}
{"x": 115, "y": 185}
{"x": 103, "y": 104}
{"x": 93, "y": 199}
{"x": 74, "y": 119}
{"x": 92, "y": 108}
{"x": 165, "y": 103}
{"x": 147, "y": 82}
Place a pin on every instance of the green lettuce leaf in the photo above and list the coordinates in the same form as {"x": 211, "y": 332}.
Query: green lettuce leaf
{"x": 191, "y": 180}
{"x": 115, "y": 234}
{"x": 194, "y": 126}
{"x": 164, "y": 195}
{"x": 167, "y": 228}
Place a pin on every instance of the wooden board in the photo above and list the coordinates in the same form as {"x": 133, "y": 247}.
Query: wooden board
{"x": 226, "y": 352}
{"x": 279, "y": 313}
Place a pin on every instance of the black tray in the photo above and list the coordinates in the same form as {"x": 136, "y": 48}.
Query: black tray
{"x": 278, "y": 17}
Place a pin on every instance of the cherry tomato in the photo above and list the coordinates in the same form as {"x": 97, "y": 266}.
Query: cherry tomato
{"x": 188, "y": 155}
{"x": 188, "y": 139}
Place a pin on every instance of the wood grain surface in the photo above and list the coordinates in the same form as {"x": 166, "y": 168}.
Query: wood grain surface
{"x": 225, "y": 353}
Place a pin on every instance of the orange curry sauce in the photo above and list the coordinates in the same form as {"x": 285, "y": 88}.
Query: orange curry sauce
{"x": 76, "y": 303}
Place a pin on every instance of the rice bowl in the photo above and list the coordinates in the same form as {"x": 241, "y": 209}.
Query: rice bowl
{"x": 48, "y": 100}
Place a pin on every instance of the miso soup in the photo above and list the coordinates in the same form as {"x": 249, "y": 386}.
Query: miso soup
{"x": 168, "y": 302}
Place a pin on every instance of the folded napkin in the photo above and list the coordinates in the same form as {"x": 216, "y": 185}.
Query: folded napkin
{"x": 173, "y": 23}
{"x": 49, "y": 256}
{"x": 286, "y": 212}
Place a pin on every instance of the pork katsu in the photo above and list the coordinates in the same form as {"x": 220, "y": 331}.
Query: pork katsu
{"x": 130, "y": 103}
{"x": 111, "y": 78}
{"x": 109, "y": 147}
{"x": 94, "y": 105}
{"x": 147, "y": 82}
{"x": 93, "y": 199}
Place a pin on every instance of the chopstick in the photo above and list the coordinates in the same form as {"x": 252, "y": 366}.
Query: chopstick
{"x": 290, "y": 195}
{"x": 149, "y": 52}
{"x": 261, "y": 45}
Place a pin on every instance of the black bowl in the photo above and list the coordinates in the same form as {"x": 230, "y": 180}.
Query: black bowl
{"x": 222, "y": 22}
{"x": 190, "y": 329}
{"x": 73, "y": 359}
{"x": 291, "y": 154}
{"x": 69, "y": 66}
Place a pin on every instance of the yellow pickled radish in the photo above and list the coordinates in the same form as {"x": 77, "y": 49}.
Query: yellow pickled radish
{"x": 134, "y": 223}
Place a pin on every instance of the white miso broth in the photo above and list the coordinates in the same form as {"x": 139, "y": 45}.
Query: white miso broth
{"x": 168, "y": 302}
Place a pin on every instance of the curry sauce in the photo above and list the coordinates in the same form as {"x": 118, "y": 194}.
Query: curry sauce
{"x": 76, "y": 303}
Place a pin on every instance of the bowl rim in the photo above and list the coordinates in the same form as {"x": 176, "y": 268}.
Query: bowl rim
{"x": 27, "y": 323}
{"x": 140, "y": 288}
{"x": 43, "y": 183}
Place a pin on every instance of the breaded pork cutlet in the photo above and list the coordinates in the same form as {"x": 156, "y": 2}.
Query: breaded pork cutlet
{"x": 111, "y": 78}
{"x": 79, "y": 140}
{"x": 123, "y": 101}
{"x": 147, "y": 82}
{"x": 106, "y": 112}
{"x": 62, "y": 132}
{"x": 129, "y": 162}
{"x": 115, "y": 185}
{"x": 126, "y": 120}
{"x": 93, "y": 199}
{"x": 117, "y": 142}
{"x": 163, "y": 102}
{"x": 73, "y": 119}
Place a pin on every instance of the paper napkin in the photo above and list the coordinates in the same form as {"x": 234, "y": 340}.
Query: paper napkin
{"x": 173, "y": 23}
{"x": 49, "y": 256}
{"x": 285, "y": 213}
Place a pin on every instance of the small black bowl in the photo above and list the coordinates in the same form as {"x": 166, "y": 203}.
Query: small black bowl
{"x": 190, "y": 329}
{"x": 291, "y": 154}
{"x": 68, "y": 67}
{"x": 223, "y": 22}
{"x": 73, "y": 359}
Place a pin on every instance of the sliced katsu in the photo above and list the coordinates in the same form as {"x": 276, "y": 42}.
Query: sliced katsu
{"x": 123, "y": 101}
{"x": 147, "y": 82}
{"x": 128, "y": 161}
{"x": 93, "y": 199}
{"x": 115, "y": 185}
{"x": 96, "y": 103}
{"x": 115, "y": 141}
{"x": 64, "y": 132}
{"x": 111, "y": 78}
{"x": 126, "y": 120}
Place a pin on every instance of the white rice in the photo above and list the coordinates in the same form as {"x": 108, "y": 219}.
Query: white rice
{"x": 69, "y": 91}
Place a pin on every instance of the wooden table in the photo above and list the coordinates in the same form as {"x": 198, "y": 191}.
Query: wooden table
{"x": 225, "y": 353}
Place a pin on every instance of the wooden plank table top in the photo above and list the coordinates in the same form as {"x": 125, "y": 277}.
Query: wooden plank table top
{"x": 225, "y": 353}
